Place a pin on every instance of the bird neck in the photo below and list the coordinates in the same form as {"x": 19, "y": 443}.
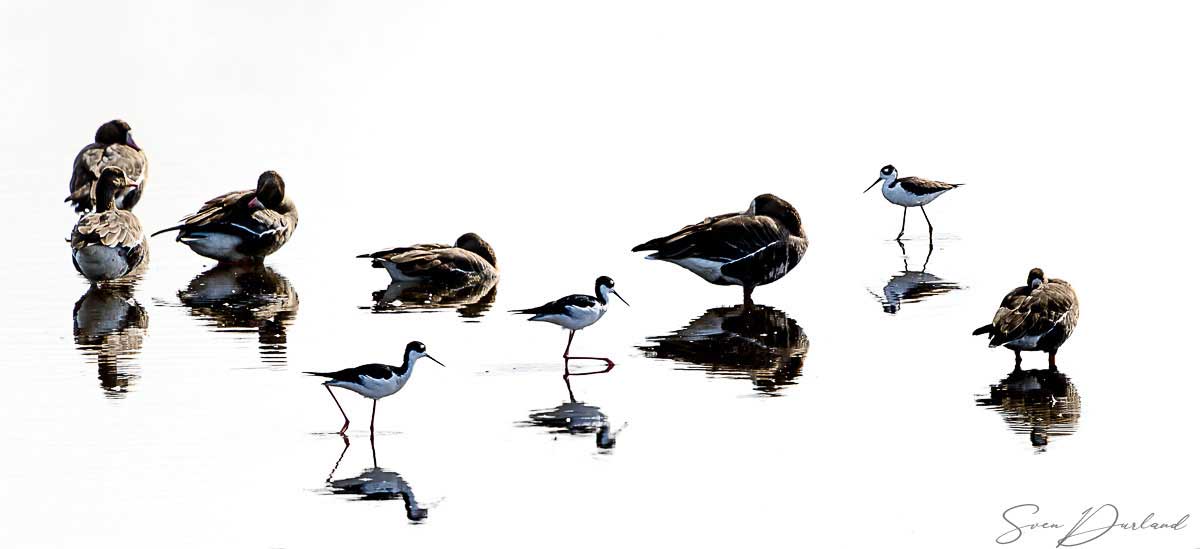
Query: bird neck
{"x": 602, "y": 294}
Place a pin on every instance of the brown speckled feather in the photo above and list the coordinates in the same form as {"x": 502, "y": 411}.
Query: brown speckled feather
{"x": 436, "y": 261}
{"x": 109, "y": 228}
{"x": 1025, "y": 312}
{"x": 94, "y": 158}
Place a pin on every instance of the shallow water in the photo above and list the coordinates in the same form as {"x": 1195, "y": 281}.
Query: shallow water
{"x": 852, "y": 409}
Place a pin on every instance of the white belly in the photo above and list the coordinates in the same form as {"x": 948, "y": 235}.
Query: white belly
{"x": 577, "y": 318}
{"x": 706, "y": 268}
{"x": 215, "y": 245}
{"x": 100, "y": 262}
{"x": 373, "y": 388}
{"x": 897, "y": 195}
{"x": 1027, "y": 343}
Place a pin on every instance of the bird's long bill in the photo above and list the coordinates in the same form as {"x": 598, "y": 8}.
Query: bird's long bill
{"x": 621, "y": 298}
{"x": 435, "y": 360}
{"x": 873, "y": 185}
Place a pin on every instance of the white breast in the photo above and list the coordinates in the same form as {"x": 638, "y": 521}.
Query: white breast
{"x": 215, "y": 245}
{"x": 706, "y": 268}
{"x": 100, "y": 262}
{"x": 897, "y": 195}
{"x": 576, "y": 318}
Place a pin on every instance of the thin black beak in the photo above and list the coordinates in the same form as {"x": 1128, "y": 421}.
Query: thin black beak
{"x": 435, "y": 360}
{"x": 873, "y": 185}
{"x": 621, "y": 298}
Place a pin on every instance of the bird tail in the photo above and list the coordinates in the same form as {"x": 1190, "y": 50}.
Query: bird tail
{"x": 650, "y": 245}
{"x": 985, "y": 329}
{"x": 168, "y": 229}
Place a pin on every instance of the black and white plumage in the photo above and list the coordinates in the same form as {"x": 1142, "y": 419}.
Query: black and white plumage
{"x": 910, "y": 192}
{"x": 374, "y": 381}
{"x": 241, "y": 226}
{"x": 576, "y": 312}
{"x": 749, "y": 249}
{"x": 470, "y": 260}
{"x": 1038, "y": 316}
{"x": 108, "y": 243}
{"x": 114, "y": 146}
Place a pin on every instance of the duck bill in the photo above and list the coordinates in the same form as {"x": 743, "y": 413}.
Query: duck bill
{"x": 255, "y": 204}
{"x": 129, "y": 141}
{"x": 873, "y": 185}
{"x": 435, "y": 360}
{"x": 614, "y": 292}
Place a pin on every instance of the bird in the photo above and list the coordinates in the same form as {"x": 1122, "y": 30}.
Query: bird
{"x": 910, "y": 192}
{"x": 1038, "y": 316}
{"x": 576, "y": 312}
{"x": 241, "y": 226}
{"x": 374, "y": 381}
{"x": 470, "y": 260}
{"x": 108, "y": 243}
{"x": 114, "y": 146}
{"x": 748, "y": 249}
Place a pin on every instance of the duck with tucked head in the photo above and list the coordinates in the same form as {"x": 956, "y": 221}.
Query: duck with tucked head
{"x": 470, "y": 260}
{"x": 114, "y": 146}
{"x": 241, "y": 226}
{"x": 1038, "y": 316}
{"x": 108, "y": 243}
{"x": 749, "y": 249}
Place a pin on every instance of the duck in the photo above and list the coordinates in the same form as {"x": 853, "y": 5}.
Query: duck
{"x": 1038, "y": 316}
{"x": 114, "y": 146}
{"x": 748, "y": 249}
{"x": 108, "y": 243}
{"x": 241, "y": 226}
{"x": 470, "y": 260}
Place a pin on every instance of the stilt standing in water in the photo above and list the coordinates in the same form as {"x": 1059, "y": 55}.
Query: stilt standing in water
{"x": 910, "y": 192}
{"x": 374, "y": 381}
{"x": 576, "y": 312}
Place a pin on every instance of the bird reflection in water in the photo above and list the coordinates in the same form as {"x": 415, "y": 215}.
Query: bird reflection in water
{"x": 246, "y": 297}
{"x": 576, "y": 418}
{"x": 760, "y": 343}
{"x": 910, "y": 286}
{"x": 471, "y": 300}
{"x": 1040, "y": 404}
{"x": 376, "y": 484}
{"x": 110, "y": 325}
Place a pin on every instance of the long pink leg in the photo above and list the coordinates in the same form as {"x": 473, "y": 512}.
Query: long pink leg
{"x": 339, "y": 405}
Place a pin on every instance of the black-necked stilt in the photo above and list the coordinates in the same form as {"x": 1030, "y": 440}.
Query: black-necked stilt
{"x": 114, "y": 146}
{"x": 1038, "y": 316}
{"x": 241, "y": 226}
{"x": 108, "y": 243}
{"x": 374, "y": 381}
{"x": 747, "y": 249}
{"x": 910, "y": 192}
{"x": 469, "y": 260}
{"x": 576, "y": 312}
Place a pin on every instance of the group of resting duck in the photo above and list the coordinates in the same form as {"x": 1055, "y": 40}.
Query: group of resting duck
{"x": 748, "y": 249}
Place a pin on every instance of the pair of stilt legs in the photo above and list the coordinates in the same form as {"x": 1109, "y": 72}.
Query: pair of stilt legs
{"x": 1017, "y": 364}
{"x": 346, "y": 425}
{"x": 904, "y": 220}
{"x": 567, "y": 358}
